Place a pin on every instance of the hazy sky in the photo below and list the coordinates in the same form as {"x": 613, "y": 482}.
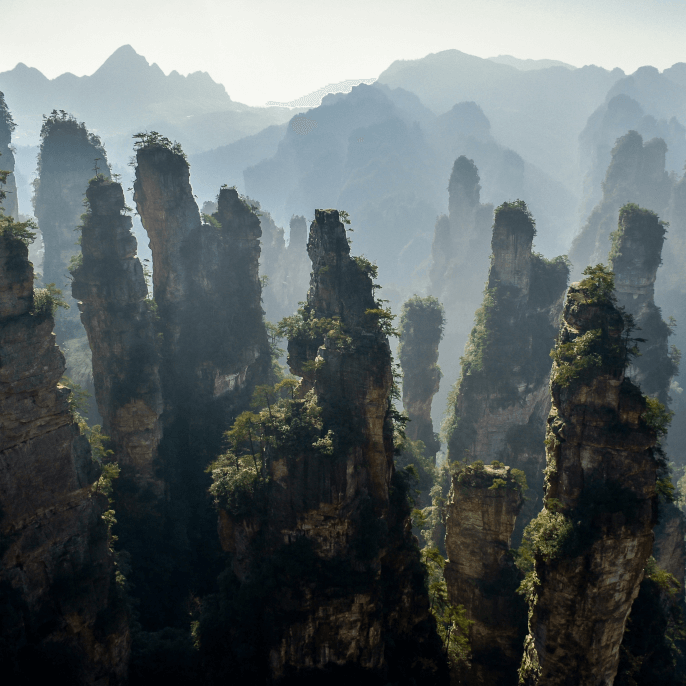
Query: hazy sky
{"x": 281, "y": 49}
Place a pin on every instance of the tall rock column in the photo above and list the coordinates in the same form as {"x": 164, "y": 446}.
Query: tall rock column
{"x": 421, "y": 329}
{"x": 214, "y": 351}
{"x": 60, "y": 603}
{"x": 9, "y": 203}
{"x": 119, "y": 322}
{"x": 330, "y": 512}
{"x": 502, "y": 398}
{"x": 483, "y": 505}
{"x": 635, "y": 256}
{"x": 68, "y": 158}
{"x": 592, "y": 540}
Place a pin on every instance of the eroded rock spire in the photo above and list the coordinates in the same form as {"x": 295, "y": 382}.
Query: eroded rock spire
{"x": 592, "y": 540}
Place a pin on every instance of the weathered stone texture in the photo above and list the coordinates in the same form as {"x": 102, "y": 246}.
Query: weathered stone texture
{"x": 601, "y": 478}
{"x": 58, "y": 597}
{"x": 111, "y": 290}
{"x": 480, "y": 574}
{"x": 331, "y": 504}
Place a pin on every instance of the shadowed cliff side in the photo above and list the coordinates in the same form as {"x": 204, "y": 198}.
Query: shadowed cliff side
{"x": 636, "y": 174}
{"x": 421, "y": 329}
{"x": 591, "y": 542}
{"x": 480, "y": 574}
{"x": 214, "y": 350}
{"x": 649, "y": 655}
{"x": 9, "y": 204}
{"x": 120, "y": 323}
{"x": 499, "y": 404}
{"x": 61, "y": 606}
{"x": 326, "y": 580}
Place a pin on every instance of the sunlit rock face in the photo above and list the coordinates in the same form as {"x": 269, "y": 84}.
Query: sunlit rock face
{"x": 595, "y": 534}
{"x": 480, "y": 574}
{"x": 420, "y": 332}
{"x": 351, "y": 599}
{"x": 60, "y": 604}
{"x": 502, "y": 398}
{"x": 9, "y": 205}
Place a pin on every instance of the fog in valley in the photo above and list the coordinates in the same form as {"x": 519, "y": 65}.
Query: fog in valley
{"x": 373, "y": 376}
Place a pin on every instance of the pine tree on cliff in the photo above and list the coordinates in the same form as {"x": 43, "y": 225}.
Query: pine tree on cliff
{"x": 587, "y": 550}
{"x": 421, "y": 327}
{"x": 325, "y": 580}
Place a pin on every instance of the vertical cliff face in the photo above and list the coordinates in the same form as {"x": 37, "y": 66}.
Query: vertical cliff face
{"x": 421, "y": 330}
{"x": 592, "y": 540}
{"x": 636, "y": 174}
{"x": 350, "y": 598}
{"x": 9, "y": 203}
{"x": 67, "y": 160}
{"x": 60, "y": 603}
{"x": 501, "y": 400}
{"x": 483, "y": 505}
{"x": 112, "y": 292}
{"x": 635, "y": 257}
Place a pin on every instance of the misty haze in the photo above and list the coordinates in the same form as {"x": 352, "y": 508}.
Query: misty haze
{"x": 341, "y": 344}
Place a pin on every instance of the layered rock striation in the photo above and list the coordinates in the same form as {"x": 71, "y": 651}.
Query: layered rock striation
{"x": 594, "y": 536}
{"x": 326, "y": 514}
{"x": 61, "y": 605}
{"x": 501, "y": 400}
{"x": 480, "y": 573}
{"x": 421, "y": 328}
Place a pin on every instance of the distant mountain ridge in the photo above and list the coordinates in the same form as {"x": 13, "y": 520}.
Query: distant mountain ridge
{"x": 529, "y": 65}
{"x": 128, "y": 94}
{"x": 315, "y": 98}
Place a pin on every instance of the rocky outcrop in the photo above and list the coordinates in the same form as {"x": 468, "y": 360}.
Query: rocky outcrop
{"x": 502, "y": 399}
{"x": 61, "y": 606}
{"x": 68, "y": 158}
{"x": 420, "y": 332}
{"x": 594, "y": 536}
{"x": 636, "y": 174}
{"x": 330, "y": 506}
{"x": 8, "y": 204}
{"x": 480, "y": 574}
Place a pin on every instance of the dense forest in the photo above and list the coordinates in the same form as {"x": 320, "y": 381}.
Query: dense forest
{"x": 380, "y": 385}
